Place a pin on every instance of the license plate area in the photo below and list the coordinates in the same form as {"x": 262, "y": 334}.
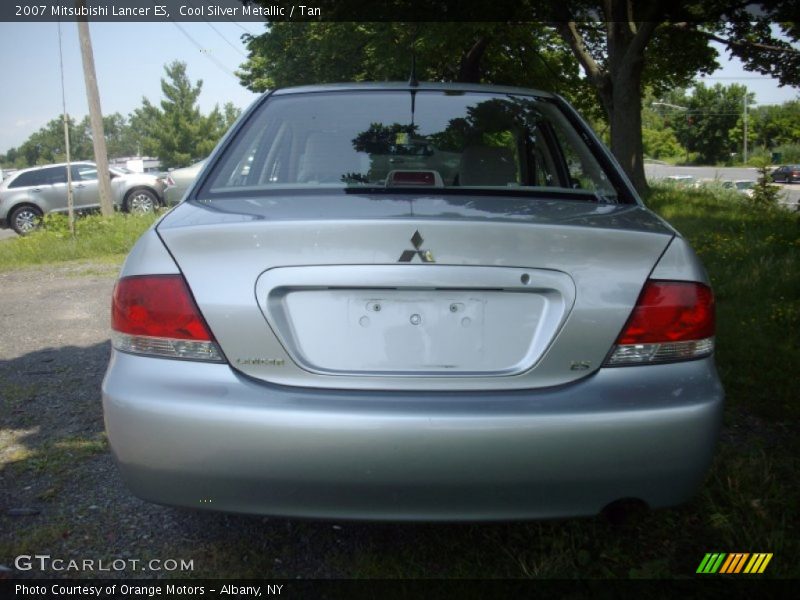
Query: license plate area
{"x": 410, "y": 328}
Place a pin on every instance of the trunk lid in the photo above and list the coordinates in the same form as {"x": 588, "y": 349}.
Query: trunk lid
{"x": 410, "y": 292}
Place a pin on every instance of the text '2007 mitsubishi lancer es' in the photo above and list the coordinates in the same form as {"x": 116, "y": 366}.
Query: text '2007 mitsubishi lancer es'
{"x": 412, "y": 301}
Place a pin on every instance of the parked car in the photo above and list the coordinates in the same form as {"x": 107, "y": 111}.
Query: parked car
{"x": 31, "y": 193}
{"x": 320, "y": 330}
{"x": 786, "y": 174}
{"x": 743, "y": 186}
{"x": 178, "y": 180}
{"x": 681, "y": 180}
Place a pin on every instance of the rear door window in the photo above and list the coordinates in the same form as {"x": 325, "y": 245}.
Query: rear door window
{"x": 54, "y": 175}
{"x": 84, "y": 173}
{"x": 28, "y": 179}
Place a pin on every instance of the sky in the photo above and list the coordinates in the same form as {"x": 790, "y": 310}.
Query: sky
{"x": 129, "y": 60}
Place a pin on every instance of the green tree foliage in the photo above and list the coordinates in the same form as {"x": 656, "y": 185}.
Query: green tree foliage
{"x": 300, "y": 53}
{"x": 121, "y": 140}
{"x": 713, "y": 114}
{"x": 661, "y": 143}
{"x": 47, "y": 145}
{"x": 632, "y": 44}
{"x": 775, "y": 125}
{"x": 176, "y": 131}
{"x": 765, "y": 194}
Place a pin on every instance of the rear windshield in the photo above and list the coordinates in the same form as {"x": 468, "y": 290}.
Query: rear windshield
{"x": 397, "y": 140}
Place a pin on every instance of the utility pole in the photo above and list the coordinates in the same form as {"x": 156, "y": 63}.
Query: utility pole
{"x": 70, "y": 203}
{"x": 745, "y": 126}
{"x": 95, "y": 115}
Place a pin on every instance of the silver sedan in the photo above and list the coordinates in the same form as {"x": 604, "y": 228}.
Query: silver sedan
{"x": 449, "y": 304}
{"x": 179, "y": 180}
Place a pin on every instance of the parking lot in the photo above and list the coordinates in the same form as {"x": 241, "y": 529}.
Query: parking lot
{"x": 655, "y": 172}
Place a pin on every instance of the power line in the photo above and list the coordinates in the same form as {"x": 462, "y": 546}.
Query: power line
{"x": 239, "y": 25}
{"x": 242, "y": 54}
{"x": 202, "y": 50}
{"x": 220, "y": 34}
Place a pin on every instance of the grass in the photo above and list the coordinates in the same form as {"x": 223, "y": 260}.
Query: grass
{"x": 57, "y": 457}
{"x": 101, "y": 239}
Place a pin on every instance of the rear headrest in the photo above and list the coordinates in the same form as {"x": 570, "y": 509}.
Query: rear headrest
{"x": 327, "y": 157}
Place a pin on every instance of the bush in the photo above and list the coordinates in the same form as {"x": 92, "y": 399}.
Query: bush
{"x": 661, "y": 143}
{"x": 765, "y": 194}
{"x": 790, "y": 153}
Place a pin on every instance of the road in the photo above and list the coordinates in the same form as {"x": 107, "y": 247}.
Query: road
{"x": 655, "y": 172}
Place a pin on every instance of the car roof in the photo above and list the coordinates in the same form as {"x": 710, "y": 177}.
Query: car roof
{"x": 63, "y": 164}
{"x": 404, "y": 86}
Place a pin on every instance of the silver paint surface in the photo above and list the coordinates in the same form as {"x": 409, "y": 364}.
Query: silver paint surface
{"x": 607, "y": 251}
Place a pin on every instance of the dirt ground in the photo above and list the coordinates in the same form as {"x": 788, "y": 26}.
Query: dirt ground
{"x": 60, "y": 493}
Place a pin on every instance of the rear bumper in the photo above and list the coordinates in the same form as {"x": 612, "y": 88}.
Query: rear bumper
{"x": 203, "y": 436}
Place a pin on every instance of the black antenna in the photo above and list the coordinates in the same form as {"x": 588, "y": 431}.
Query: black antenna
{"x": 413, "y": 81}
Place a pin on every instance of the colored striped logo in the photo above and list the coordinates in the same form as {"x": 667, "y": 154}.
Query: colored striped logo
{"x": 737, "y": 562}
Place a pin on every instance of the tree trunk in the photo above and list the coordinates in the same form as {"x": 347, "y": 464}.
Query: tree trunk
{"x": 619, "y": 82}
{"x": 625, "y": 119}
{"x": 470, "y": 68}
{"x": 623, "y": 83}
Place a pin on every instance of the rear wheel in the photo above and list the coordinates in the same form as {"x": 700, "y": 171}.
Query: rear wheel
{"x": 141, "y": 201}
{"x": 25, "y": 219}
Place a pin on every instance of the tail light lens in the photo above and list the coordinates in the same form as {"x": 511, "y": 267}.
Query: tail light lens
{"x": 672, "y": 320}
{"x": 157, "y": 316}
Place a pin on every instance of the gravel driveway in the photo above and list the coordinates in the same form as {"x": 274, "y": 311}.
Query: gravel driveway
{"x": 61, "y": 495}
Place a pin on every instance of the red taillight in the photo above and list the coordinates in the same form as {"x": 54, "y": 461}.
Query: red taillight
{"x": 157, "y": 306}
{"x": 670, "y": 311}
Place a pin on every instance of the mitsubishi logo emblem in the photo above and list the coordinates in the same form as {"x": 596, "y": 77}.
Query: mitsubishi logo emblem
{"x": 424, "y": 255}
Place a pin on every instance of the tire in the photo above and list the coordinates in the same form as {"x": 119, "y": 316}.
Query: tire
{"x": 24, "y": 219}
{"x": 141, "y": 201}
